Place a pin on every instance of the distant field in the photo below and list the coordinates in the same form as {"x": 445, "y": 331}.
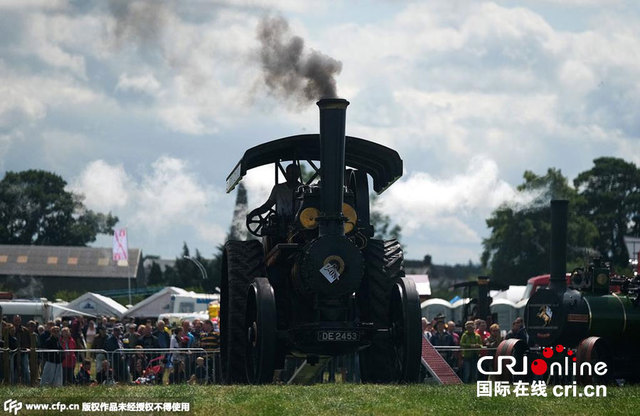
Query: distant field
{"x": 328, "y": 399}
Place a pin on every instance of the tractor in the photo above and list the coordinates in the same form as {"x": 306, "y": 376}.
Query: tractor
{"x": 317, "y": 283}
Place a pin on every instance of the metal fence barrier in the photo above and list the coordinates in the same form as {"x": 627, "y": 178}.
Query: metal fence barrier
{"x": 98, "y": 366}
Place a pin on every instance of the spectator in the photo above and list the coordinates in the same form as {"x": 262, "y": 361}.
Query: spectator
{"x": 112, "y": 323}
{"x": 23, "y": 336}
{"x": 495, "y": 338}
{"x": 481, "y": 329}
{"x": 426, "y": 329}
{"x": 138, "y": 363}
{"x": 83, "y": 377}
{"x": 105, "y": 375}
{"x": 517, "y": 331}
{"x": 39, "y": 341}
{"x": 196, "y": 331}
{"x": 186, "y": 328}
{"x": 210, "y": 342}
{"x": 451, "y": 328}
{"x": 99, "y": 343}
{"x": 456, "y": 358}
{"x": 118, "y": 359}
{"x": 14, "y": 359}
{"x": 442, "y": 338}
{"x": 163, "y": 336}
{"x": 77, "y": 334}
{"x": 67, "y": 344}
{"x": 46, "y": 333}
{"x": 130, "y": 339}
{"x": 177, "y": 376}
{"x": 522, "y": 332}
{"x": 164, "y": 341}
{"x": 201, "y": 372}
{"x": 52, "y": 371}
{"x": 33, "y": 328}
{"x": 90, "y": 333}
{"x": 468, "y": 341}
{"x": 147, "y": 339}
{"x": 176, "y": 340}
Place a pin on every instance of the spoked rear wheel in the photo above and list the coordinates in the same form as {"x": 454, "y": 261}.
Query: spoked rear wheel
{"x": 406, "y": 329}
{"x": 513, "y": 347}
{"x": 261, "y": 332}
{"x": 593, "y": 350}
{"x": 241, "y": 262}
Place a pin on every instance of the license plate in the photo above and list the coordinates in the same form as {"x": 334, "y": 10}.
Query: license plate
{"x": 338, "y": 336}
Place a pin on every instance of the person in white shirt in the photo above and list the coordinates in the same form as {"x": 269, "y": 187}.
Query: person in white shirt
{"x": 282, "y": 195}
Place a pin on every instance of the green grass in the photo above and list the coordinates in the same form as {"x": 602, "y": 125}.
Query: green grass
{"x": 333, "y": 399}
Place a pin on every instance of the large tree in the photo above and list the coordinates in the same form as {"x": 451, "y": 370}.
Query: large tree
{"x": 518, "y": 247}
{"x": 35, "y": 209}
{"x": 610, "y": 193}
{"x": 383, "y": 228}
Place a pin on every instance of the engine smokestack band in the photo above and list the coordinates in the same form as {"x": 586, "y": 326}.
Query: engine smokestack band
{"x": 333, "y": 113}
{"x": 559, "y": 213}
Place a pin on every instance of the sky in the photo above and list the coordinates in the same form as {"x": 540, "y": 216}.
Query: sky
{"x": 145, "y": 107}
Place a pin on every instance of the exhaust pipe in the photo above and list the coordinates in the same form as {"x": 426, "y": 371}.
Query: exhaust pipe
{"x": 333, "y": 113}
{"x": 559, "y": 213}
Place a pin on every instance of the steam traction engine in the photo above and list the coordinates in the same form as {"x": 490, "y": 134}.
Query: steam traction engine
{"x": 319, "y": 284}
{"x": 585, "y": 315}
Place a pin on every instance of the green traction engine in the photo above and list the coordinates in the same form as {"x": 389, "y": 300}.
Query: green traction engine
{"x": 596, "y": 314}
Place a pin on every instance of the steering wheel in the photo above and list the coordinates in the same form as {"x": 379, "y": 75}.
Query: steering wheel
{"x": 256, "y": 224}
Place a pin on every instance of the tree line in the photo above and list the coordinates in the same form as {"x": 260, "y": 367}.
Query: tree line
{"x": 604, "y": 207}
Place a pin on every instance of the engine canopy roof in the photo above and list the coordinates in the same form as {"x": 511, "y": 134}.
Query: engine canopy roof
{"x": 380, "y": 162}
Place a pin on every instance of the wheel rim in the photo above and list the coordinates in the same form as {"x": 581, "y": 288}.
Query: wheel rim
{"x": 406, "y": 330}
{"x": 592, "y": 350}
{"x": 516, "y": 348}
{"x": 261, "y": 332}
{"x": 224, "y": 321}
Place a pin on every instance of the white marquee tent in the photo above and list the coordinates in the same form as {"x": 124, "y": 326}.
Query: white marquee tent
{"x": 95, "y": 304}
{"x": 155, "y": 304}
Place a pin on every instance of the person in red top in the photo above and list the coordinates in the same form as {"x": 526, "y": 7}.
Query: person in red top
{"x": 481, "y": 329}
{"x": 67, "y": 344}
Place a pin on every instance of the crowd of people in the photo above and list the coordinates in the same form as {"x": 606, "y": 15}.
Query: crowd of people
{"x": 157, "y": 353}
{"x": 475, "y": 340}
{"x": 123, "y": 352}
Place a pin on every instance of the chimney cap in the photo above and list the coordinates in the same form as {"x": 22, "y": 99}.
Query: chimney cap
{"x": 332, "y": 103}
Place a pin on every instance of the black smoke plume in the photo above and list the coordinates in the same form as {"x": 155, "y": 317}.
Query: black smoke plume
{"x": 289, "y": 70}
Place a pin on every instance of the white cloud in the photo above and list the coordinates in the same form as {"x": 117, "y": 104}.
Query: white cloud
{"x": 168, "y": 201}
{"x": 423, "y": 202}
{"x": 147, "y": 83}
{"x": 170, "y": 194}
{"x": 105, "y": 187}
{"x": 27, "y": 98}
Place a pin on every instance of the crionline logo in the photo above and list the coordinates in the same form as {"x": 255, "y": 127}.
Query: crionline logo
{"x": 540, "y": 366}
{"x": 12, "y": 406}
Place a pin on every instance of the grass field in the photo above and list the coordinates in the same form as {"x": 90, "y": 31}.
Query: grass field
{"x": 330, "y": 399}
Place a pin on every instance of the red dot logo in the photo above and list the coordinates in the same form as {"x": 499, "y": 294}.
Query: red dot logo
{"x": 539, "y": 367}
{"x": 570, "y": 353}
{"x": 559, "y": 348}
{"x": 547, "y": 352}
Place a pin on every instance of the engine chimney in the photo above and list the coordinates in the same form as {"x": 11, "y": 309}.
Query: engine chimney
{"x": 333, "y": 112}
{"x": 558, "y": 281}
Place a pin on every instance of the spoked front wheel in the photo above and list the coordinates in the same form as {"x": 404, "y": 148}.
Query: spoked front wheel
{"x": 261, "y": 326}
{"x": 406, "y": 328}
